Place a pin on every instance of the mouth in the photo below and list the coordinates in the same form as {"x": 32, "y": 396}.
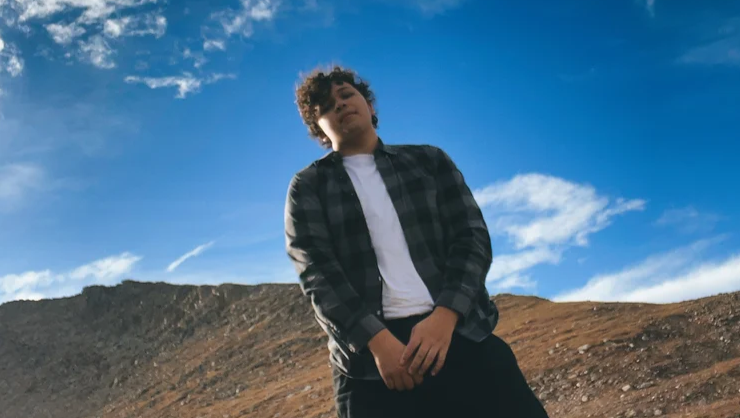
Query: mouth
{"x": 346, "y": 115}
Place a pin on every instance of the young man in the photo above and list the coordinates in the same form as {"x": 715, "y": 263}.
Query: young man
{"x": 393, "y": 252}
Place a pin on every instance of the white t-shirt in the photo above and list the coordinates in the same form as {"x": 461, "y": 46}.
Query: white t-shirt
{"x": 404, "y": 292}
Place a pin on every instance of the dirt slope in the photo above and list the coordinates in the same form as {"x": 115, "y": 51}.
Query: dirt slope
{"x": 157, "y": 350}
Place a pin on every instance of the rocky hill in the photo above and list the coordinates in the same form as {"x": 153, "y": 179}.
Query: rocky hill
{"x": 159, "y": 350}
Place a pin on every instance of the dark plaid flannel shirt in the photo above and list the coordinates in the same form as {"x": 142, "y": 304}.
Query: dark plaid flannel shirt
{"x": 328, "y": 241}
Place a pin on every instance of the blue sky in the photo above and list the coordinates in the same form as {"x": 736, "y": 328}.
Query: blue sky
{"x": 155, "y": 140}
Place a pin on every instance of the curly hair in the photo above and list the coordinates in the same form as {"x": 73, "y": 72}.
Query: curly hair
{"x": 315, "y": 90}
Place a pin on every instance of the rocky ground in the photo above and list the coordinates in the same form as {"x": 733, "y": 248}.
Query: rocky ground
{"x": 159, "y": 350}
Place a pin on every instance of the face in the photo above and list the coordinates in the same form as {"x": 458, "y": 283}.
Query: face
{"x": 346, "y": 115}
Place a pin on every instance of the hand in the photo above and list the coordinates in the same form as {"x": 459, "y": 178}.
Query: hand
{"x": 387, "y": 350}
{"x": 430, "y": 339}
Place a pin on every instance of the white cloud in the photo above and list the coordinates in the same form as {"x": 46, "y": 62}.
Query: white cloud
{"x": 106, "y": 269}
{"x": 240, "y": 21}
{"x": 663, "y": 278}
{"x": 16, "y": 181}
{"x": 97, "y": 51}
{"x": 186, "y": 84}
{"x": 23, "y": 296}
{"x": 437, "y": 6}
{"x": 10, "y": 59}
{"x": 688, "y": 220}
{"x": 139, "y": 25}
{"x": 194, "y": 253}
{"x": 542, "y": 216}
{"x": 721, "y": 52}
{"x": 649, "y": 6}
{"x": 64, "y": 34}
{"x": 92, "y": 10}
{"x": 92, "y": 16}
{"x": 198, "y": 58}
{"x": 536, "y": 210}
{"x": 720, "y": 44}
{"x": 515, "y": 281}
{"x": 214, "y": 45}
{"x": 426, "y": 7}
{"x": 35, "y": 285}
{"x": 14, "y": 283}
{"x": 510, "y": 264}
{"x": 14, "y": 66}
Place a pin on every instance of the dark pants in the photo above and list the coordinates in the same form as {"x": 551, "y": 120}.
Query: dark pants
{"x": 477, "y": 380}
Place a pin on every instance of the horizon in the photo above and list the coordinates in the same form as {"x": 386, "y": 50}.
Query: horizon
{"x": 154, "y": 142}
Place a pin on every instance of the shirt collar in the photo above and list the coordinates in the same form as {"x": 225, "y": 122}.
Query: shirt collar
{"x": 381, "y": 148}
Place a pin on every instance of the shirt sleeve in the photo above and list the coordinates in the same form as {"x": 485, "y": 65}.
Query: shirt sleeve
{"x": 308, "y": 244}
{"x": 469, "y": 250}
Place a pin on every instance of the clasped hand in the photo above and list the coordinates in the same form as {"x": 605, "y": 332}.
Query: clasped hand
{"x": 403, "y": 367}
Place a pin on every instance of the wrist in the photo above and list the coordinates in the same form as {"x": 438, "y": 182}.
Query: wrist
{"x": 378, "y": 341}
{"x": 451, "y": 317}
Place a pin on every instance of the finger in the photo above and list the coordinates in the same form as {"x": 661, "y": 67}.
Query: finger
{"x": 408, "y": 382}
{"x": 398, "y": 383}
{"x": 431, "y": 356}
{"x": 389, "y": 382}
{"x": 418, "y": 379}
{"x": 441, "y": 357}
{"x": 413, "y": 344}
{"x": 418, "y": 359}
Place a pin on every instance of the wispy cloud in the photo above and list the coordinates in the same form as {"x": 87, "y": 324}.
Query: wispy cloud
{"x": 35, "y": 285}
{"x": 17, "y": 181}
{"x": 94, "y": 32}
{"x": 688, "y": 220}
{"x": 92, "y": 17}
{"x": 663, "y": 278}
{"x": 91, "y": 10}
{"x": 185, "y": 84}
{"x": 649, "y": 6}
{"x": 510, "y": 264}
{"x": 194, "y": 253}
{"x": 214, "y": 45}
{"x": 198, "y": 58}
{"x": 536, "y": 210}
{"x": 141, "y": 25}
{"x": 542, "y": 216}
{"x": 98, "y": 52}
{"x": 64, "y": 34}
{"x": 10, "y": 59}
{"x": 107, "y": 269}
{"x": 515, "y": 281}
{"x": 241, "y": 21}
{"x": 721, "y": 46}
{"x": 428, "y": 7}
{"x": 722, "y": 52}
{"x": 438, "y": 6}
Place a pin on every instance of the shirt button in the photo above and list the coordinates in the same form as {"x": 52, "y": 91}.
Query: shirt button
{"x": 378, "y": 312}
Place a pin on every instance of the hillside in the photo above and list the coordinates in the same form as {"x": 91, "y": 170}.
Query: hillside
{"x": 158, "y": 350}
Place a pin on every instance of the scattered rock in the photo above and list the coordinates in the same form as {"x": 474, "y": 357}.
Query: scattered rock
{"x": 626, "y": 388}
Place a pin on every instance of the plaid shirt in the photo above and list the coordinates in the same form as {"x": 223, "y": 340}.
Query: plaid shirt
{"x": 328, "y": 241}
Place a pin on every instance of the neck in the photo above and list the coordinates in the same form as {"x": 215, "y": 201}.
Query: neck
{"x": 362, "y": 144}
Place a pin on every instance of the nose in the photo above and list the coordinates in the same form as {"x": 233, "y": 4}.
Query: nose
{"x": 340, "y": 105}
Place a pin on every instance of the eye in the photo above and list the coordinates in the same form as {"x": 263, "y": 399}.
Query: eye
{"x": 325, "y": 107}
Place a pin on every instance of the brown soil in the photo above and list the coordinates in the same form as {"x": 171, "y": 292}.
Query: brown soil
{"x": 158, "y": 350}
